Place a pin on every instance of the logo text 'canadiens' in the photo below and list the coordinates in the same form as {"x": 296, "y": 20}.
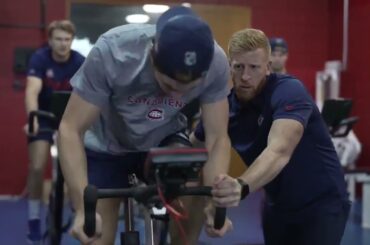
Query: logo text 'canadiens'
{"x": 169, "y": 101}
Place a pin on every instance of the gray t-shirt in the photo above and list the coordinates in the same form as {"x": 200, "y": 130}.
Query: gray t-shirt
{"x": 118, "y": 77}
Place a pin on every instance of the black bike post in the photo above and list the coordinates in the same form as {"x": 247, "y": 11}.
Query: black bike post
{"x": 57, "y": 106}
{"x": 129, "y": 236}
{"x": 56, "y": 208}
{"x": 59, "y": 195}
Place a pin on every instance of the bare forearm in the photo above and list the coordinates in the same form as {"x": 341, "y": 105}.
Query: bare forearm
{"x": 31, "y": 101}
{"x": 218, "y": 161}
{"x": 73, "y": 164}
{"x": 264, "y": 169}
{"x": 33, "y": 89}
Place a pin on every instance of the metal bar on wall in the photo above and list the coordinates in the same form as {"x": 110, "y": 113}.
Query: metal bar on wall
{"x": 345, "y": 35}
{"x": 43, "y": 14}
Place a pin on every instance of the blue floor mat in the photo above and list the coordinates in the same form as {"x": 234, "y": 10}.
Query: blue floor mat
{"x": 246, "y": 222}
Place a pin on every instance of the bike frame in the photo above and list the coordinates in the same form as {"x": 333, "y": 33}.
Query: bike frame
{"x": 172, "y": 168}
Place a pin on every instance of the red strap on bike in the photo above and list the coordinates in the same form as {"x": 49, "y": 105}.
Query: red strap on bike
{"x": 176, "y": 215}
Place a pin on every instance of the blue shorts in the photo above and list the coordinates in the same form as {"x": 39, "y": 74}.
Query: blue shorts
{"x": 46, "y": 136}
{"x": 111, "y": 171}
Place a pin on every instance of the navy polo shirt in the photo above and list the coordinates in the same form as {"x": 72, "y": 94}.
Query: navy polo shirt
{"x": 313, "y": 180}
{"x": 55, "y": 76}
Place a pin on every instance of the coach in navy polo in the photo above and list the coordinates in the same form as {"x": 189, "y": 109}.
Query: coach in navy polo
{"x": 278, "y": 131}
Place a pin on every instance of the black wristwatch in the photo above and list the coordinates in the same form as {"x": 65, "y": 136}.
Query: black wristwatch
{"x": 245, "y": 188}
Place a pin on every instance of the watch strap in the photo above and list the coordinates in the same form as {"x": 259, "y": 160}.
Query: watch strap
{"x": 245, "y": 189}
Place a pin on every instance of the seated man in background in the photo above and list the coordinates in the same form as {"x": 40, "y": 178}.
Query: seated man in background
{"x": 128, "y": 97}
{"x": 50, "y": 69}
{"x": 279, "y": 55}
{"x": 277, "y": 129}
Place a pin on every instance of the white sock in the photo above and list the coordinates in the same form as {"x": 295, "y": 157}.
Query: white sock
{"x": 34, "y": 209}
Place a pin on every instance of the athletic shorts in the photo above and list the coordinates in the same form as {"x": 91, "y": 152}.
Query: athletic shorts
{"x": 46, "y": 136}
{"x": 112, "y": 171}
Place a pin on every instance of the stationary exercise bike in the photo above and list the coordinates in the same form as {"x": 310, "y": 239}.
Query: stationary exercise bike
{"x": 166, "y": 171}
{"x": 54, "y": 217}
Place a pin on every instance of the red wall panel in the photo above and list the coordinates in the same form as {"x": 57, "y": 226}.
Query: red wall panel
{"x": 304, "y": 25}
{"x": 13, "y": 152}
{"x": 356, "y": 78}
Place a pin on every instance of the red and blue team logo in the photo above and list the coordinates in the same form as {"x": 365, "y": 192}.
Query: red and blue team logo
{"x": 156, "y": 114}
{"x": 289, "y": 107}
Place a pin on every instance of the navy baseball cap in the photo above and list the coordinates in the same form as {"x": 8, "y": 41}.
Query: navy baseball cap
{"x": 278, "y": 44}
{"x": 184, "y": 45}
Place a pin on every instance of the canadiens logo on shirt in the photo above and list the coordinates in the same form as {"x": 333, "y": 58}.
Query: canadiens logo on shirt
{"x": 49, "y": 73}
{"x": 156, "y": 114}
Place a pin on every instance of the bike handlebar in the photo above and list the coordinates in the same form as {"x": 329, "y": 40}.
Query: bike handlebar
{"x": 92, "y": 194}
{"x": 90, "y": 199}
{"x": 41, "y": 114}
